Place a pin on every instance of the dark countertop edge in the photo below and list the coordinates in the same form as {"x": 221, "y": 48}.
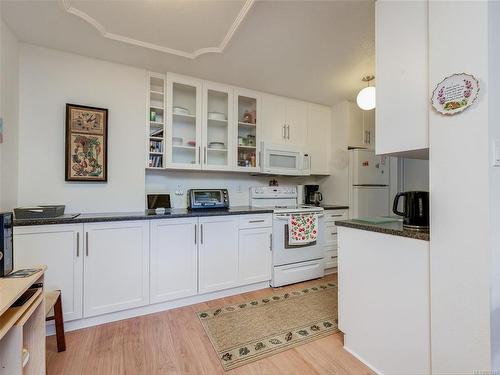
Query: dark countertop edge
{"x": 384, "y": 229}
{"x": 130, "y": 216}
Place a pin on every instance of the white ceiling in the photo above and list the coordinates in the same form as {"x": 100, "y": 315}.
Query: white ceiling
{"x": 312, "y": 50}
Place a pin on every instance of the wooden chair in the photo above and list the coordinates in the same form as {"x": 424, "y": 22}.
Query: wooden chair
{"x": 53, "y": 301}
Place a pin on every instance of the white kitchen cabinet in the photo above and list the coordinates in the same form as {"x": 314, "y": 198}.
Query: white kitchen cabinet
{"x": 402, "y": 115}
{"x": 60, "y": 248}
{"x": 116, "y": 266}
{"x": 255, "y": 246}
{"x": 184, "y": 122}
{"x": 369, "y": 129}
{"x": 274, "y": 118}
{"x": 174, "y": 259}
{"x": 248, "y": 125}
{"x": 285, "y": 120}
{"x": 217, "y": 253}
{"x": 330, "y": 238}
{"x": 319, "y": 120}
{"x": 360, "y": 124}
{"x": 217, "y": 127}
{"x": 296, "y": 122}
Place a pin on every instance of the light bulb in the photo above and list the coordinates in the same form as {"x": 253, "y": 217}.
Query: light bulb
{"x": 366, "y": 98}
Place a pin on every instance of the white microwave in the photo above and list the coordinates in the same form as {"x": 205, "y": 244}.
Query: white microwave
{"x": 288, "y": 160}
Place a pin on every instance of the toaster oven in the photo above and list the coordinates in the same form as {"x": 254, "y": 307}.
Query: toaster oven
{"x": 207, "y": 198}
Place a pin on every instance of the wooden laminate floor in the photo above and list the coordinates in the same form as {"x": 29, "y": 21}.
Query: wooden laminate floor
{"x": 174, "y": 342}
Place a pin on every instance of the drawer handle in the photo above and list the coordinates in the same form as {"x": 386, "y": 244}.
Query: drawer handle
{"x": 256, "y": 221}
{"x": 336, "y": 215}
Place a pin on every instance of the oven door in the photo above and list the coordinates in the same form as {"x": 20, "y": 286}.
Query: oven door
{"x": 284, "y": 253}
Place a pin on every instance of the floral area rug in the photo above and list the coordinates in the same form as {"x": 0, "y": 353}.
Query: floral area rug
{"x": 259, "y": 328}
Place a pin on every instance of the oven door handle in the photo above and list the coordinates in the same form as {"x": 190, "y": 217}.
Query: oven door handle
{"x": 286, "y": 217}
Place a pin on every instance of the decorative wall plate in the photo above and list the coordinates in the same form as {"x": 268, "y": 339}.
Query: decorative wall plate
{"x": 455, "y": 93}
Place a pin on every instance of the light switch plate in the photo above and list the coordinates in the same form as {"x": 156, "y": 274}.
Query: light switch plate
{"x": 496, "y": 153}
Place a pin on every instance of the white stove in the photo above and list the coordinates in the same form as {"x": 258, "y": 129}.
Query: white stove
{"x": 291, "y": 264}
{"x": 282, "y": 198}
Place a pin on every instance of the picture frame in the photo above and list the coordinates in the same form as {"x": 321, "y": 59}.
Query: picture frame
{"x": 86, "y": 155}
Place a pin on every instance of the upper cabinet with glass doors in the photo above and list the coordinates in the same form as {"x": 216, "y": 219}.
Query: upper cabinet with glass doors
{"x": 247, "y": 130}
{"x": 156, "y": 120}
{"x": 184, "y": 122}
{"x": 217, "y": 129}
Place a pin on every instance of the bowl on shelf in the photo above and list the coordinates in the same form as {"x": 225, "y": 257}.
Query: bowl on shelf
{"x": 217, "y": 116}
{"x": 177, "y": 141}
{"x": 191, "y": 143}
{"x": 181, "y": 110}
{"x": 217, "y": 145}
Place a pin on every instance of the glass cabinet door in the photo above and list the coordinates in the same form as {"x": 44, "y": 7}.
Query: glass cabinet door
{"x": 217, "y": 142}
{"x": 248, "y": 130}
{"x": 156, "y": 117}
{"x": 184, "y": 122}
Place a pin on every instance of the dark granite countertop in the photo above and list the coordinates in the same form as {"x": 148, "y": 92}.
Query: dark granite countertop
{"x": 334, "y": 207}
{"x": 144, "y": 215}
{"x": 394, "y": 228}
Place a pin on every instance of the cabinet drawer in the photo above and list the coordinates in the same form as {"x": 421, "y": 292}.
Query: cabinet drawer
{"x": 334, "y": 215}
{"x": 330, "y": 234}
{"x": 256, "y": 221}
{"x": 331, "y": 259}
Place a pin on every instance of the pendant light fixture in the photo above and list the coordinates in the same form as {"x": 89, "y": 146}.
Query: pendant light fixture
{"x": 366, "y": 97}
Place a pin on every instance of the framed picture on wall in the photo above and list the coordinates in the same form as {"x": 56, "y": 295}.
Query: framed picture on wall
{"x": 86, "y": 143}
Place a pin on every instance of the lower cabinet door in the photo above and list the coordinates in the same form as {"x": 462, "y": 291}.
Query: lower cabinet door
{"x": 116, "y": 266}
{"x": 218, "y": 253}
{"x": 255, "y": 255}
{"x": 60, "y": 248}
{"x": 174, "y": 258}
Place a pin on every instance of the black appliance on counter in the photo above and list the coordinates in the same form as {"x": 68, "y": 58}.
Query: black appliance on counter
{"x": 208, "y": 198}
{"x": 158, "y": 201}
{"x": 6, "y": 244}
{"x": 415, "y": 209}
{"x": 312, "y": 195}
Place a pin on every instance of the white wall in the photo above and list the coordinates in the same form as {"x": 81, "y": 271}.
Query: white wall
{"x": 9, "y": 99}
{"x": 460, "y": 204}
{"x": 48, "y": 80}
{"x": 335, "y": 187}
{"x": 494, "y": 128}
{"x": 238, "y": 184}
{"x": 415, "y": 175}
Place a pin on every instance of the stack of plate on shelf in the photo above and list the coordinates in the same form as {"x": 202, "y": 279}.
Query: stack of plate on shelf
{"x": 181, "y": 110}
{"x": 217, "y": 116}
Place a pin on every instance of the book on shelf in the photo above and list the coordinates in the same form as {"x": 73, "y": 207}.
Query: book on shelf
{"x": 155, "y": 161}
{"x": 155, "y": 146}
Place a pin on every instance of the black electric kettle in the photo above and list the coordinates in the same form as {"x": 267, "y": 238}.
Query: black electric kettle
{"x": 415, "y": 209}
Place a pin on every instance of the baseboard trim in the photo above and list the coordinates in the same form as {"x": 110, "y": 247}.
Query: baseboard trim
{"x": 330, "y": 271}
{"x": 153, "y": 308}
{"x": 367, "y": 364}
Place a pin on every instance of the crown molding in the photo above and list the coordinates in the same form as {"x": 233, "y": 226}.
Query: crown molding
{"x": 66, "y": 5}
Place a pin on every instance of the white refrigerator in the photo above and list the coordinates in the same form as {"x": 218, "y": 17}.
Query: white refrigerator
{"x": 369, "y": 181}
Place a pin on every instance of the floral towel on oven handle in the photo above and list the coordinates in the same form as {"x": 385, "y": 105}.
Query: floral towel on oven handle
{"x": 302, "y": 228}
